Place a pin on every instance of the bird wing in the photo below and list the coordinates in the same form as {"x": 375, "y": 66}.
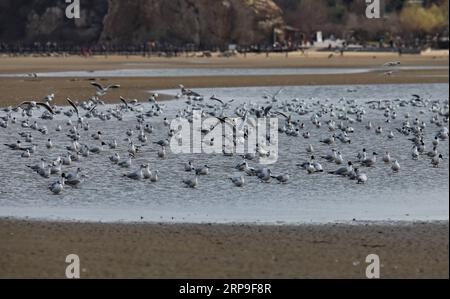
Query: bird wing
{"x": 267, "y": 110}
{"x": 46, "y": 106}
{"x": 97, "y": 85}
{"x": 193, "y": 93}
{"x": 224, "y": 120}
{"x": 24, "y": 103}
{"x": 113, "y": 86}
{"x": 124, "y": 101}
{"x": 278, "y": 92}
{"x": 281, "y": 113}
{"x": 213, "y": 98}
{"x": 93, "y": 108}
{"x": 74, "y": 106}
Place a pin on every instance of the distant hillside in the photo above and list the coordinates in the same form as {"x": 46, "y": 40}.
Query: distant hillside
{"x": 346, "y": 18}
{"x": 120, "y": 22}
{"x": 214, "y": 23}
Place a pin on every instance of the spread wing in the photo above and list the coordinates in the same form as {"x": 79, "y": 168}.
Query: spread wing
{"x": 124, "y": 101}
{"x": 113, "y": 86}
{"x": 46, "y": 106}
{"x": 97, "y": 85}
{"x": 213, "y": 98}
{"x": 74, "y": 106}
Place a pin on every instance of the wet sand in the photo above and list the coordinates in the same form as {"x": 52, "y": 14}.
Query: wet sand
{"x": 38, "y": 249}
{"x": 15, "y": 90}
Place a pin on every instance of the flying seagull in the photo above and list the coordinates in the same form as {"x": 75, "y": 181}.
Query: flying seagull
{"x": 102, "y": 90}
{"x": 33, "y": 104}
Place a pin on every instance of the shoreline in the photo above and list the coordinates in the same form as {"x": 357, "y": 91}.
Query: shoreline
{"x": 36, "y": 249}
{"x": 354, "y": 222}
{"x": 19, "y": 89}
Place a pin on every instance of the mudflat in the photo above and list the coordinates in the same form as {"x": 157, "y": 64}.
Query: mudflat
{"x": 33, "y": 249}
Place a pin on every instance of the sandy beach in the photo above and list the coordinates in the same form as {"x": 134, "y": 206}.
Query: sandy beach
{"x": 31, "y": 249}
{"x": 15, "y": 90}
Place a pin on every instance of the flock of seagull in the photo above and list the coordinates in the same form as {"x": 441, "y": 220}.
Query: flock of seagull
{"x": 334, "y": 120}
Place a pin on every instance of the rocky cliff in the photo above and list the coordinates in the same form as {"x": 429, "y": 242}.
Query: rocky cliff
{"x": 201, "y": 22}
{"x": 44, "y": 20}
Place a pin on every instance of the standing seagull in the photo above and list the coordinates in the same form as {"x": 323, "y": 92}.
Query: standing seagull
{"x": 396, "y": 166}
{"x": 238, "y": 181}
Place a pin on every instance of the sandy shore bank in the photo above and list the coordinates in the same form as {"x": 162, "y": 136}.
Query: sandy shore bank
{"x": 275, "y": 60}
{"x": 15, "y": 90}
{"x": 38, "y": 249}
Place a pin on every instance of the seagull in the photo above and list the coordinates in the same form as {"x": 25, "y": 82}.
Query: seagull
{"x": 433, "y": 153}
{"x": 188, "y": 92}
{"x": 74, "y": 179}
{"x": 202, "y": 170}
{"x": 113, "y": 144}
{"x": 33, "y": 104}
{"x": 164, "y": 143}
{"x": 49, "y": 144}
{"x": 191, "y": 183}
{"x": 238, "y": 181}
{"x": 155, "y": 176}
{"x": 387, "y": 158}
{"x": 329, "y": 141}
{"x": 396, "y": 166}
{"x": 330, "y": 157}
{"x": 58, "y": 187}
{"x": 360, "y": 177}
{"x": 102, "y": 90}
{"x": 26, "y": 154}
{"x": 339, "y": 159}
{"x": 137, "y": 175}
{"x": 162, "y": 153}
{"x": 15, "y": 146}
{"x": 436, "y": 141}
{"x": 415, "y": 153}
{"x": 264, "y": 174}
{"x": 77, "y": 111}
{"x": 343, "y": 171}
{"x": 115, "y": 158}
{"x": 97, "y": 149}
{"x": 126, "y": 163}
{"x": 49, "y": 98}
{"x": 436, "y": 160}
{"x": 392, "y": 63}
{"x": 188, "y": 167}
{"x": 379, "y": 130}
{"x": 282, "y": 178}
{"x": 146, "y": 172}
{"x": 370, "y": 162}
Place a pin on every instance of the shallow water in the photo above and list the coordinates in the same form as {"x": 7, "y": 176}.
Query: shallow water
{"x": 418, "y": 192}
{"x": 206, "y": 72}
